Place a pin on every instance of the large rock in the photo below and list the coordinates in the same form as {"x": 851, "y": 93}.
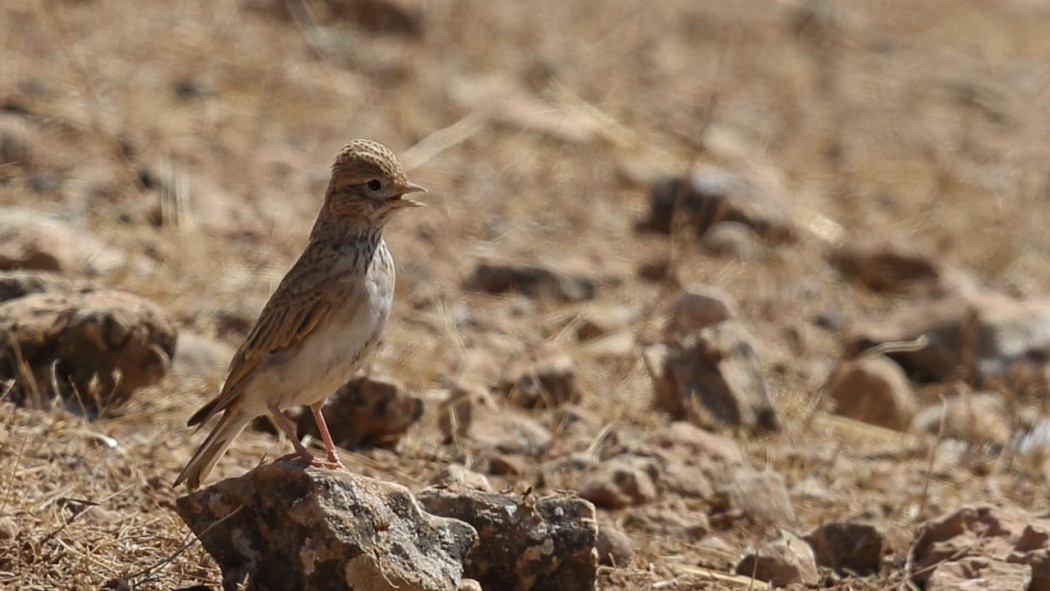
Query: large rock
{"x": 34, "y": 240}
{"x": 712, "y": 193}
{"x": 365, "y": 412}
{"x": 531, "y": 280}
{"x": 472, "y": 414}
{"x": 975, "y": 417}
{"x": 18, "y": 284}
{"x": 714, "y": 372}
{"x": 992, "y": 534}
{"x": 847, "y": 546}
{"x": 980, "y": 572}
{"x": 990, "y": 331}
{"x": 782, "y": 562}
{"x": 546, "y": 544}
{"x": 758, "y": 496}
{"x": 103, "y": 346}
{"x": 873, "y": 389}
{"x": 546, "y": 383}
{"x": 283, "y": 527}
{"x": 694, "y": 462}
{"x": 620, "y": 481}
{"x": 887, "y": 266}
{"x": 698, "y": 306}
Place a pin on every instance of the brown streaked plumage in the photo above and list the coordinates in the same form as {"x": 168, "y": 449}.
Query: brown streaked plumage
{"x": 325, "y": 317}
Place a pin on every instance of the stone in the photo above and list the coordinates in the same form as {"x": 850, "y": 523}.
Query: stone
{"x": 979, "y": 418}
{"x": 365, "y": 412}
{"x": 991, "y": 332}
{"x": 672, "y": 519}
{"x": 998, "y": 533}
{"x": 873, "y": 389}
{"x": 391, "y": 17}
{"x": 699, "y": 306}
{"x": 847, "y": 546}
{"x": 17, "y": 284}
{"x": 694, "y": 460}
{"x": 759, "y": 496}
{"x": 598, "y": 321}
{"x": 460, "y": 475}
{"x": 712, "y": 373}
{"x": 713, "y": 193}
{"x": 620, "y": 481}
{"x": 547, "y": 383}
{"x": 615, "y": 548}
{"x": 782, "y": 562}
{"x": 890, "y": 267}
{"x": 18, "y": 142}
{"x": 286, "y": 527}
{"x": 101, "y": 345}
{"x": 472, "y": 414}
{"x": 197, "y": 355}
{"x": 34, "y": 240}
{"x": 531, "y": 280}
{"x": 524, "y": 544}
{"x": 731, "y": 239}
{"x": 981, "y": 572}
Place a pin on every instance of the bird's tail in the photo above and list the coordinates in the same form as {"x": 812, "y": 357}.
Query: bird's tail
{"x": 222, "y": 435}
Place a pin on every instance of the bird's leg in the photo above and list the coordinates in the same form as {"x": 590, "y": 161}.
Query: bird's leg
{"x": 286, "y": 425}
{"x": 332, "y": 461}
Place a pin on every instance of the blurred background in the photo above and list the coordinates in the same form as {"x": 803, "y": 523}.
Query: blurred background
{"x": 820, "y": 169}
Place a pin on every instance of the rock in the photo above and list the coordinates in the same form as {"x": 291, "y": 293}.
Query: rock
{"x": 17, "y": 142}
{"x": 547, "y": 383}
{"x": 712, "y": 193}
{"x": 847, "y": 547}
{"x": 1006, "y": 533}
{"x": 620, "y": 481}
{"x": 873, "y": 389}
{"x": 391, "y": 17}
{"x": 991, "y": 331}
{"x": 396, "y": 17}
{"x": 531, "y": 280}
{"x": 693, "y": 460}
{"x": 731, "y": 239}
{"x": 698, "y": 306}
{"x": 978, "y": 418}
{"x": 34, "y": 240}
{"x": 286, "y": 527}
{"x": 197, "y": 355}
{"x": 615, "y": 548}
{"x": 17, "y": 284}
{"x": 887, "y": 266}
{"x": 673, "y": 520}
{"x": 716, "y": 553}
{"x": 102, "y": 345}
{"x": 460, "y": 475}
{"x": 547, "y": 544}
{"x": 365, "y": 412}
{"x": 472, "y": 414}
{"x": 782, "y": 562}
{"x": 979, "y": 572}
{"x": 598, "y": 321}
{"x": 760, "y": 496}
{"x": 714, "y": 372}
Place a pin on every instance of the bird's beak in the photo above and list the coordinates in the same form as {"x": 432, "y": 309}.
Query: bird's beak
{"x": 411, "y": 188}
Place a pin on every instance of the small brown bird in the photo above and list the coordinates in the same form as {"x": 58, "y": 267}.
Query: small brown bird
{"x": 325, "y": 317}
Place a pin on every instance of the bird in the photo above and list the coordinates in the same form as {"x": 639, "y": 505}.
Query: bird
{"x": 324, "y": 319}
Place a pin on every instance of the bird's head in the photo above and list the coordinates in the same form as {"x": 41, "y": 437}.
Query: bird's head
{"x": 368, "y": 184}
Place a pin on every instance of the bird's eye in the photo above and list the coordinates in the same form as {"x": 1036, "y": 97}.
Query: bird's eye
{"x": 374, "y": 185}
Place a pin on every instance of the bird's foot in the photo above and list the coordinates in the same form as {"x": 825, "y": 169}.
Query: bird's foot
{"x": 331, "y": 463}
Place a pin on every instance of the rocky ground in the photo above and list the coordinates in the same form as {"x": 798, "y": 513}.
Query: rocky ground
{"x": 738, "y": 293}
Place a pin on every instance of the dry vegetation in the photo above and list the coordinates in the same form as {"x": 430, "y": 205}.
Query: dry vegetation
{"x": 925, "y": 122}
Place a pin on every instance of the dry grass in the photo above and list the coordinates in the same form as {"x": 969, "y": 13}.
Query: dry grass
{"x": 922, "y": 123}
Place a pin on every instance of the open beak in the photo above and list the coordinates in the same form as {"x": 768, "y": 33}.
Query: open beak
{"x": 411, "y": 188}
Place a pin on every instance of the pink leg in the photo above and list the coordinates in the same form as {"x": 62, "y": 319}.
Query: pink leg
{"x": 333, "y": 458}
{"x": 288, "y": 427}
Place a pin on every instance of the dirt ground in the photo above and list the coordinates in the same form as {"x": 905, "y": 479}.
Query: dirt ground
{"x": 536, "y": 126}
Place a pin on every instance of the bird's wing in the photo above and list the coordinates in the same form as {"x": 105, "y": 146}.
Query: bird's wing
{"x": 297, "y": 307}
